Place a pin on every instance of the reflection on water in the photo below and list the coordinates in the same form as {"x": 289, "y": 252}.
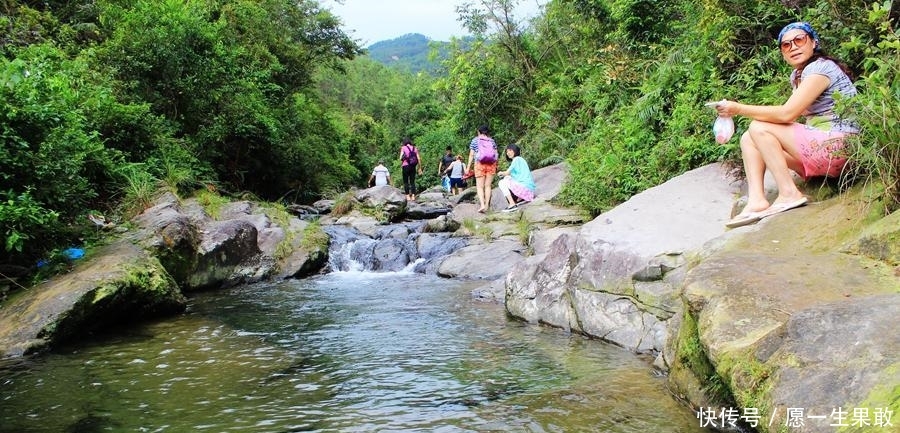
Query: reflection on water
{"x": 344, "y": 352}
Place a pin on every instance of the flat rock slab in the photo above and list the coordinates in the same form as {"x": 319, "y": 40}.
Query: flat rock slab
{"x": 487, "y": 261}
{"x": 679, "y": 215}
{"x": 617, "y": 278}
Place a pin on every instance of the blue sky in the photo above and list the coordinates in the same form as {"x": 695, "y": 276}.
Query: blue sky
{"x": 371, "y": 21}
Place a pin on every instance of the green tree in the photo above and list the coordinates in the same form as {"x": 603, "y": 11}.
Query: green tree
{"x": 382, "y": 105}
{"x": 54, "y": 164}
{"x": 228, "y": 76}
{"x": 492, "y": 79}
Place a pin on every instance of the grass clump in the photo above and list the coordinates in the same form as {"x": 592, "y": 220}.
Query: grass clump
{"x": 343, "y": 204}
{"x": 212, "y": 202}
{"x": 314, "y": 237}
{"x": 473, "y": 228}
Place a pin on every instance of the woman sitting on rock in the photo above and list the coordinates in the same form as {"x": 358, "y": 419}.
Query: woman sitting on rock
{"x": 516, "y": 183}
{"x": 775, "y": 141}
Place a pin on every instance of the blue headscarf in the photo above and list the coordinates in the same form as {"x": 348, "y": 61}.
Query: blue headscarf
{"x": 802, "y": 25}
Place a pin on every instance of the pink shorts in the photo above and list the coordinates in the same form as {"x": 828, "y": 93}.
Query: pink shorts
{"x": 819, "y": 151}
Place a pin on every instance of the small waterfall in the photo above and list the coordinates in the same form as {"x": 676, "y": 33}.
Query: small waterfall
{"x": 343, "y": 257}
{"x": 345, "y": 244}
{"x": 394, "y": 248}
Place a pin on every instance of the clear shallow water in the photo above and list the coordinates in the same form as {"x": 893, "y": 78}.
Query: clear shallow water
{"x": 346, "y": 352}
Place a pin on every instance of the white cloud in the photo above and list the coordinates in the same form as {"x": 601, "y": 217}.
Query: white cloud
{"x": 376, "y": 20}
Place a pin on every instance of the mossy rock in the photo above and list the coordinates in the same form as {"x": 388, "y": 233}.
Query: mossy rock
{"x": 120, "y": 283}
{"x": 880, "y": 241}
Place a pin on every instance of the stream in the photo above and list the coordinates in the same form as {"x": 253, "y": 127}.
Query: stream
{"x": 342, "y": 352}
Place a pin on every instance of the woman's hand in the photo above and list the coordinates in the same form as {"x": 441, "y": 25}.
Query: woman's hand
{"x": 726, "y": 108}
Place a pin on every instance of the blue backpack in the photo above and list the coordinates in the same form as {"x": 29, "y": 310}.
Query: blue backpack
{"x": 487, "y": 150}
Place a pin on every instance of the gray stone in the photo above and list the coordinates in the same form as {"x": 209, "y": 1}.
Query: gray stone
{"x": 589, "y": 282}
{"x": 830, "y": 359}
{"x": 487, "y": 261}
{"x": 224, "y": 251}
{"x": 383, "y": 199}
{"x": 323, "y": 206}
{"x": 493, "y": 292}
{"x": 419, "y": 210}
{"x": 392, "y": 254}
{"x": 441, "y": 224}
{"x": 393, "y": 231}
{"x": 119, "y": 283}
{"x": 305, "y": 258}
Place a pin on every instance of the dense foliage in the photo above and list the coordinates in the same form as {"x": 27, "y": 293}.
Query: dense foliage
{"x": 104, "y": 102}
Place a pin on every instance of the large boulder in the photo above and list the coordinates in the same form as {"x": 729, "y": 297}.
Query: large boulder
{"x": 620, "y": 277}
{"x": 175, "y": 245}
{"x": 482, "y": 260}
{"x": 428, "y": 206}
{"x": 796, "y": 311}
{"x": 117, "y": 283}
{"x": 787, "y": 320}
{"x": 170, "y": 234}
{"x": 223, "y": 255}
{"x": 306, "y": 247}
{"x": 387, "y": 202}
{"x": 240, "y": 245}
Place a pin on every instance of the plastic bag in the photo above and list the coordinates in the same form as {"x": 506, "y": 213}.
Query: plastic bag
{"x": 723, "y": 129}
{"x": 445, "y": 183}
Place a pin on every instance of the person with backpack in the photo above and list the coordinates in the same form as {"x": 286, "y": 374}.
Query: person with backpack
{"x": 409, "y": 164}
{"x": 483, "y": 153}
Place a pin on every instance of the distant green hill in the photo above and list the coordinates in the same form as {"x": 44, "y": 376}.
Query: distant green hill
{"x": 409, "y": 52}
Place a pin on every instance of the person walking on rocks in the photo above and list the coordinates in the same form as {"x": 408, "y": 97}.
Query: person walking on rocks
{"x": 380, "y": 175}
{"x": 483, "y": 153}
{"x": 445, "y": 162}
{"x": 455, "y": 171}
{"x": 409, "y": 164}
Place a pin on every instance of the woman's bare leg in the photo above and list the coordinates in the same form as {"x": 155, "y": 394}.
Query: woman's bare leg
{"x": 488, "y": 180}
{"x": 770, "y": 146}
{"x": 503, "y": 186}
{"x": 754, "y": 170}
{"x": 479, "y": 189}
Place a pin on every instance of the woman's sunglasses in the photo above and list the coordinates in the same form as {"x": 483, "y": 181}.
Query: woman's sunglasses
{"x": 798, "y": 41}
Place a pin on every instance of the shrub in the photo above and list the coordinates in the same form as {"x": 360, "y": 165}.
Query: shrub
{"x": 53, "y": 162}
{"x": 877, "y": 109}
